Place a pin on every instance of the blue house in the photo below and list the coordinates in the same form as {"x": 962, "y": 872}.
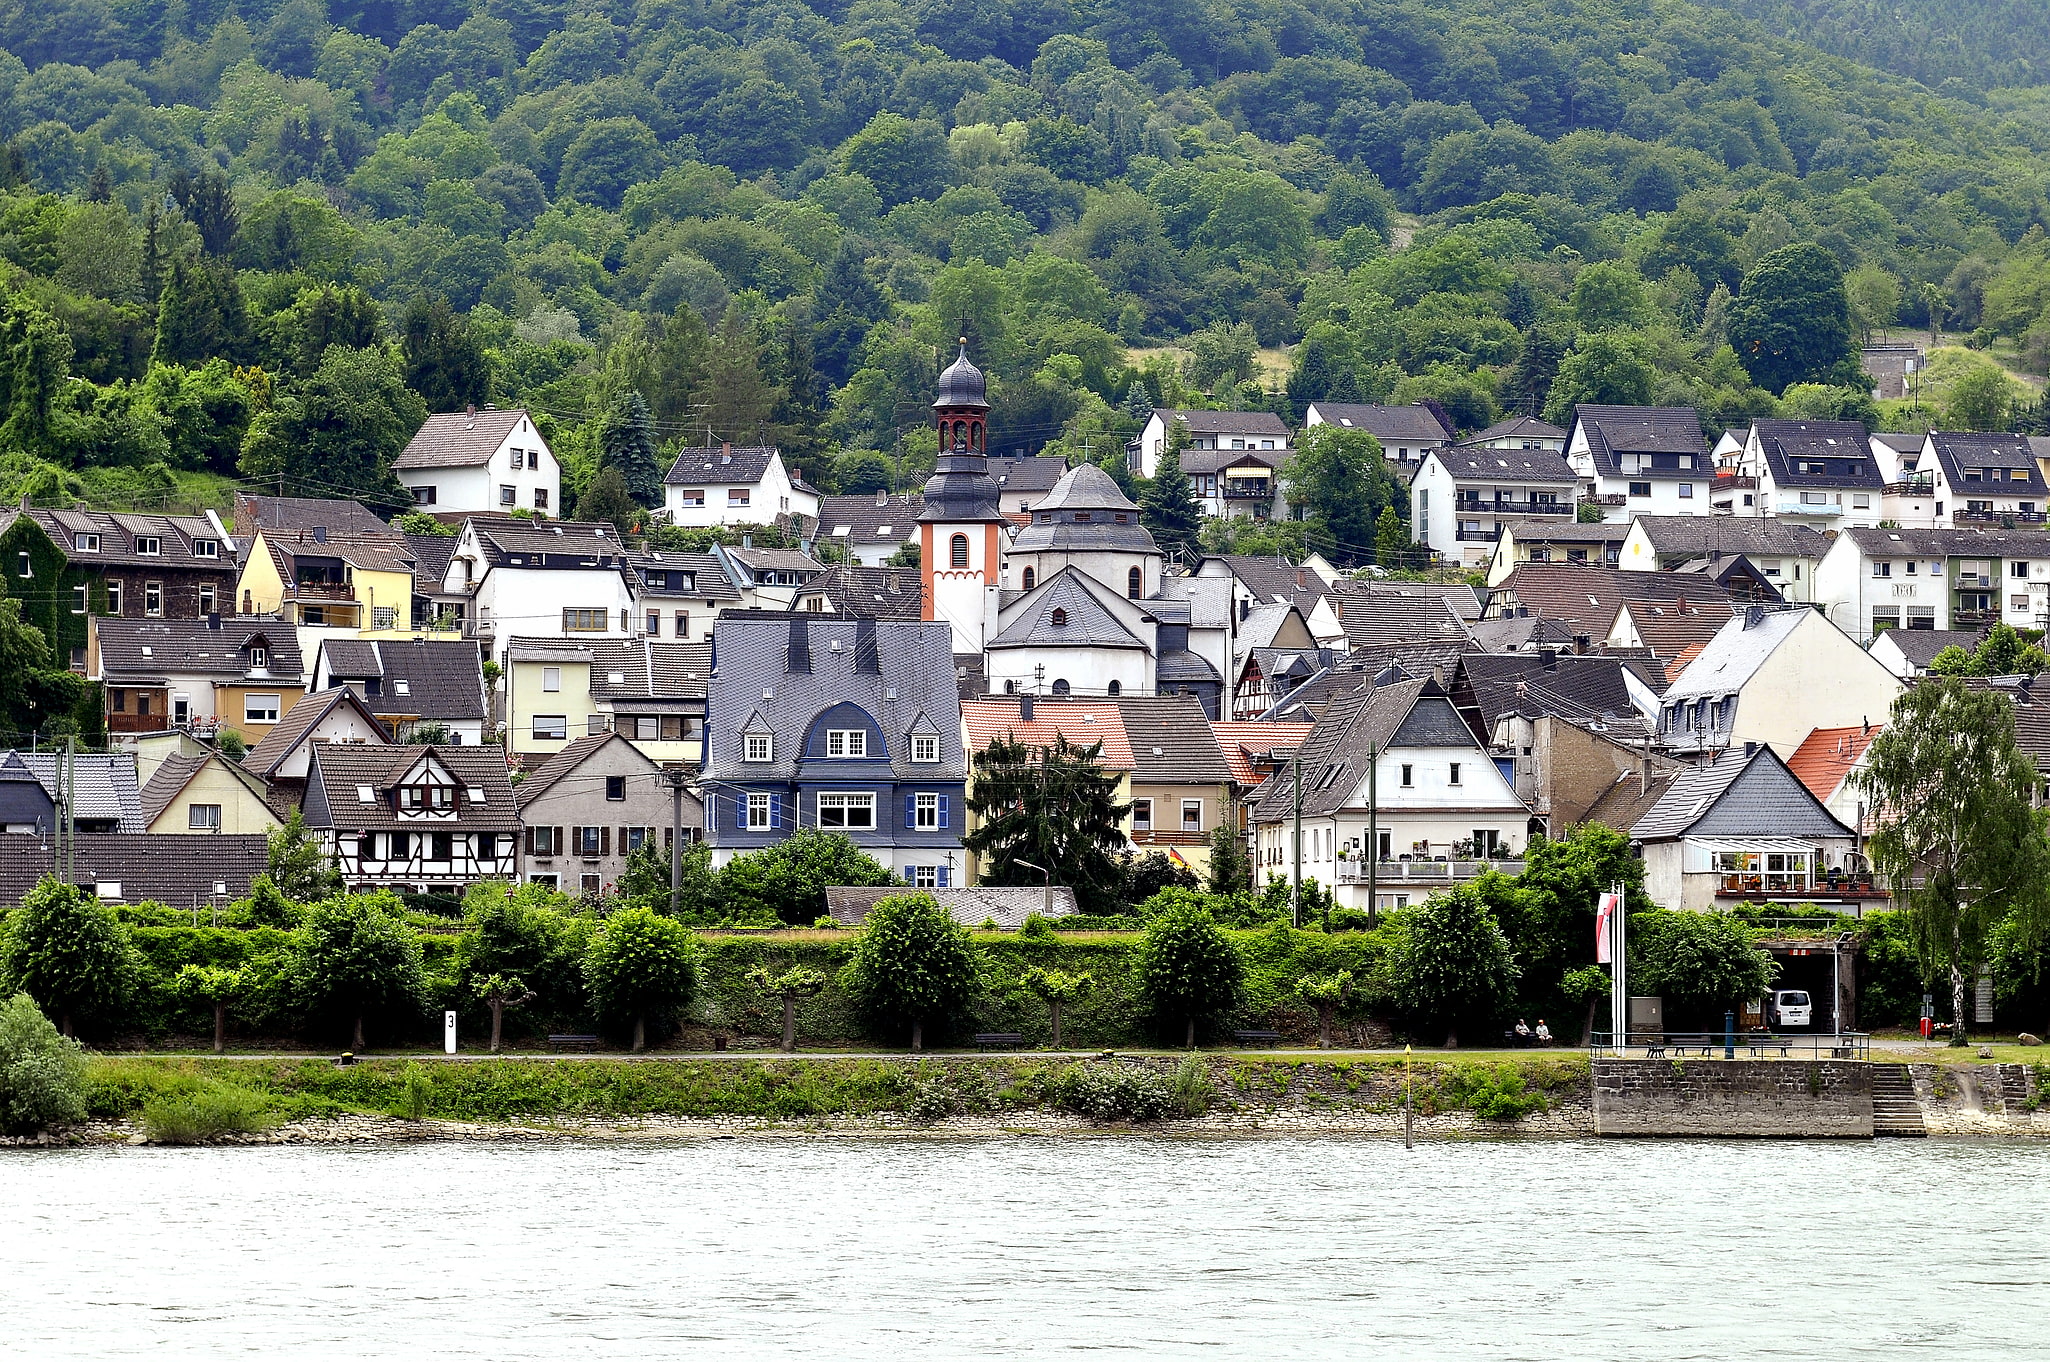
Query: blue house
{"x": 846, "y": 725}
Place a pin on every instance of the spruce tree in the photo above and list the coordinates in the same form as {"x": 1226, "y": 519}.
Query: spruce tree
{"x": 1167, "y": 506}
{"x": 1391, "y": 544}
{"x": 628, "y": 444}
{"x": 445, "y": 363}
{"x": 202, "y": 315}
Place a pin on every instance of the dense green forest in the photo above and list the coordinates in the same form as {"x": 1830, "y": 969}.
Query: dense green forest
{"x": 258, "y": 242}
{"x": 1956, "y": 46}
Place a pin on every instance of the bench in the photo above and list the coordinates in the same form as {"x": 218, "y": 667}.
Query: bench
{"x": 1758, "y": 1043}
{"x": 573, "y": 1042}
{"x": 1655, "y": 1049}
{"x": 1244, "y": 1037}
{"x": 988, "y": 1039}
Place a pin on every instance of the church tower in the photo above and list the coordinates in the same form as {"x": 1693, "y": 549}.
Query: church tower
{"x": 961, "y": 530}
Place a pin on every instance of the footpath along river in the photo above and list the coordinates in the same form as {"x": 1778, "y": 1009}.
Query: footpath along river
{"x": 983, "y": 1248}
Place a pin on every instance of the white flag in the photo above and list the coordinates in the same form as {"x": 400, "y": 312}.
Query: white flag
{"x": 1605, "y": 927}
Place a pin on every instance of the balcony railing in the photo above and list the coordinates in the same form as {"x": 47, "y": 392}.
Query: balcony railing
{"x": 1477, "y": 536}
{"x": 323, "y": 591}
{"x": 1165, "y": 837}
{"x": 1248, "y": 492}
{"x": 1808, "y": 508}
{"x": 1734, "y": 482}
{"x": 1353, "y": 870}
{"x": 1606, "y": 499}
{"x": 1513, "y": 507}
{"x": 1958, "y": 617}
{"x": 1910, "y": 487}
{"x": 1998, "y": 517}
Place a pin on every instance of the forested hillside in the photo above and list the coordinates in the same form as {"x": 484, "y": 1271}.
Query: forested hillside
{"x": 259, "y": 241}
{"x": 1958, "y": 45}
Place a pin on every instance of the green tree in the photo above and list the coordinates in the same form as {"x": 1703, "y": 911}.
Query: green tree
{"x": 2003, "y": 652}
{"x": 296, "y": 337}
{"x": 787, "y": 988}
{"x": 1187, "y": 970}
{"x": 607, "y": 499}
{"x": 642, "y": 967}
{"x": 337, "y": 433}
{"x": 500, "y": 991}
{"x": 1701, "y": 962}
{"x": 1959, "y": 842}
{"x": 1790, "y": 322}
{"x": 1048, "y": 815}
{"x": 68, "y": 951}
{"x": 789, "y": 878}
{"x": 1448, "y": 962}
{"x": 1608, "y": 295}
{"x": 42, "y": 1073}
{"x": 1231, "y": 868}
{"x": 1589, "y": 987}
{"x": 1391, "y": 540}
{"x": 515, "y": 932}
{"x": 203, "y": 316}
{"x": 912, "y": 965}
{"x": 1167, "y": 504}
{"x": 903, "y": 158}
{"x": 355, "y": 959}
{"x": 444, "y": 361}
{"x": 1874, "y": 298}
{"x": 35, "y": 371}
{"x": 1607, "y": 368}
{"x": 1340, "y": 479}
{"x": 628, "y": 444}
{"x": 1327, "y": 993}
{"x": 608, "y": 157}
{"x": 1056, "y": 988}
{"x": 267, "y": 905}
{"x": 1980, "y": 398}
{"x": 299, "y": 869}
{"x": 213, "y": 988}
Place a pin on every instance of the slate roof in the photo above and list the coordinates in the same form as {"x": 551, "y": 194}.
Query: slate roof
{"x": 508, "y": 541}
{"x": 871, "y": 593}
{"x": 648, "y": 669}
{"x": 1959, "y": 451}
{"x": 431, "y": 679}
{"x": 971, "y": 906}
{"x": 1570, "y": 687}
{"x": 1836, "y": 454}
{"x": 430, "y": 553}
{"x": 305, "y": 513}
{"x": 735, "y": 464}
{"x": 1244, "y": 741}
{"x": 104, "y": 784}
{"x": 1517, "y": 632}
{"x": 1086, "y": 622}
{"x": 1587, "y": 597}
{"x": 1262, "y": 623}
{"x": 22, "y": 797}
{"x": 459, "y": 439}
{"x": 1460, "y": 598}
{"x": 158, "y": 648}
{"x": 1828, "y": 755}
{"x": 1037, "y": 474}
{"x": 291, "y": 729}
{"x": 1171, "y": 741}
{"x": 775, "y": 560}
{"x": 1384, "y": 618}
{"x": 1477, "y": 463}
{"x": 1085, "y": 722}
{"x": 1769, "y": 801}
{"x": 1528, "y": 427}
{"x": 333, "y": 800}
{"x": 1643, "y": 430}
{"x": 1738, "y": 649}
{"x": 1085, "y": 487}
{"x": 1920, "y": 646}
{"x": 1680, "y": 538}
{"x": 858, "y": 521}
{"x": 118, "y": 532}
{"x": 1203, "y": 461}
{"x": 1335, "y": 755}
{"x": 1264, "y": 424}
{"x": 369, "y": 552}
{"x": 665, "y": 574}
{"x": 178, "y": 871}
{"x": 1965, "y": 543}
{"x": 912, "y": 687}
{"x": 1411, "y": 425}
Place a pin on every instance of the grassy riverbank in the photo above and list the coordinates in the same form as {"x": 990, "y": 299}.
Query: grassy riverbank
{"x": 1132, "y": 1088}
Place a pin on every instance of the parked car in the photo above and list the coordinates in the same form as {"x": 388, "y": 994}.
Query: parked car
{"x": 1789, "y": 1008}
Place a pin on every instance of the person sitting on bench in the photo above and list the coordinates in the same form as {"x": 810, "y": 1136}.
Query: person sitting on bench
{"x": 1522, "y": 1032}
{"x": 1544, "y": 1033}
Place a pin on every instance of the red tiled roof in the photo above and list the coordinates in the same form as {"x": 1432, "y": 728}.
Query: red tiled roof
{"x": 1240, "y": 739}
{"x": 1083, "y": 721}
{"x": 1827, "y": 756}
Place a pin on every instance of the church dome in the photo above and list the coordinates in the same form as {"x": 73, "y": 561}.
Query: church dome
{"x": 962, "y": 384}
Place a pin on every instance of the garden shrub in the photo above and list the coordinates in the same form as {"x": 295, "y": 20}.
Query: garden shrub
{"x": 42, "y": 1073}
{"x": 1493, "y": 1092}
{"x": 1118, "y": 1092}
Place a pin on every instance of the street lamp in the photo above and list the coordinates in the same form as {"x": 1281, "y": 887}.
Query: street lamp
{"x": 1046, "y": 886}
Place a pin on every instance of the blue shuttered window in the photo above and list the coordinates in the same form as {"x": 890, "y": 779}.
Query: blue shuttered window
{"x": 943, "y": 815}
{"x": 943, "y": 876}
{"x": 911, "y": 811}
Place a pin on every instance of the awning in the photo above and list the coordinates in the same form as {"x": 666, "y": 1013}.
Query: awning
{"x": 1757, "y": 843}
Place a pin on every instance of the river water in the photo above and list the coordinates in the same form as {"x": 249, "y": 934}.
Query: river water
{"x": 934, "y": 1248}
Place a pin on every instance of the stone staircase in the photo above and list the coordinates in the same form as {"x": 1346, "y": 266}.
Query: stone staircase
{"x": 1895, "y": 1112}
{"x": 2014, "y": 1088}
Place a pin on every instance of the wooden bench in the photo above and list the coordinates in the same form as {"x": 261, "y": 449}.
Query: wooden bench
{"x": 1244, "y": 1037}
{"x": 986, "y": 1040}
{"x": 1655, "y": 1049}
{"x": 573, "y": 1042}
{"x": 1758, "y": 1043}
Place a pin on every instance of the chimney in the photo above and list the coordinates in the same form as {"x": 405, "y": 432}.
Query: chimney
{"x": 747, "y": 539}
{"x": 1025, "y": 705}
{"x": 1245, "y": 609}
{"x": 1754, "y": 616}
{"x": 1580, "y": 644}
{"x": 1301, "y": 579}
{"x": 1680, "y": 604}
{"x": 320, "y": 534}
{"x": 1750, "y": 749}
{"x": 470, "y": 409}
{"x": 1549, "y": 659}
{"x": 882, "y": 497}
{"x": 1864, "y": 726}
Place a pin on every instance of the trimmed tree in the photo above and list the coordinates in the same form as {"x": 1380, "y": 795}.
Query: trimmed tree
{"x": 1587, "y": 985}
{"x": 42, "y": 1073}
{"x": 1702, "y": 962}
{"x": 1959, "y": 843}
{"x": 357, "y": 958}
{"x": 500, "y": 991}
{"x": 1188, "y": 971}
{"x": 643, "y": 967}
{"x": 911, "y": 965}
{"x": 1056, "y": 988}
{"x": 790, "y": 877}
{"x": 66, "y": 950}
{"x": 787, "y": 988}
{"x": 213, "y": 988}
{"x": 1327, "y": 993}
{"x": 1448, "y": 961}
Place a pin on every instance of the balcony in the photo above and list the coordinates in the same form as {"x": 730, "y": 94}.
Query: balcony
{"x": 1354, "y": 871}
{"x": 1808, "y": 508}
{"x": 1605, "y": 499}
{"x": 1795, "y": 888}
{"x": 1973, "y": 617}
{"x": 1477, "y": 536}
{"x": 1734, "y": 482}
{"x": 1539, "y": 508}
{"x": 1998, "y": 517}
{"x": 1248, "y": 491}
{"x": 1911, "y": 487}
{"x": 323, "y": 591}
{"x": 1163, "y": 837}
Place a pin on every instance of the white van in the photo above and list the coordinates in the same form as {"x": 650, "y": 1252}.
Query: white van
{"x": 1791, "y": 1008}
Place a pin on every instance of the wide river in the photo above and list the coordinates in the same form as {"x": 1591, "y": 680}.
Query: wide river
{"x": 1140, "y": 1247}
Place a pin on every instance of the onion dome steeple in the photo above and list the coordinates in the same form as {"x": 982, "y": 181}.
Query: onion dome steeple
{"x": 960, "y": 488}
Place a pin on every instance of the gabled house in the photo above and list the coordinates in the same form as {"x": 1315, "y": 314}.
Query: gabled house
{"x": 430, "y": 820}
{"x": 736, "y": 485}
{"x": 1984, "y": 479}
{"x": 1071, "y": 635}
{"x": 1519, "y": 432}
{"x": 1641, "y": 460}
{"x": 767, "y": 579}
{"x": 1879, "y": 579}
{"x": 1276, "y": 653}
{"x": 1237, "y": 482}
{"x": 282, "y": 759}
{"x": 345, "y": 580}
{"x": 1276, "y": 581}
{"x": 199, "y": 675}
{"x": 1021, "y": 482}
{"x": 1039, "y": 721}
{"x": 106, "y": 796}
{"x": 848, "y": 725}
{"x": 876, "y": 593}
{"x": 874, "y": 527}
{"x": 208, "y": 795}
{"x": 1406, "y": 433}
{"x": 1662, "y": 612}
{"x": 1740, "y": 828}
{"x": 1785, "y": 552}
{"x": 1773, "y": 677}
{"x": 1183, "y": 788}
{"x": 681, "y": 594}
{"x": 564, "y": 578}
{"x": 410, "y": 684}
{"x": 1562, "y": 726}
{"x": 1573, "y": 543}
{"x": 1828, "y": 761}
{"x": 1208, "y": 430}
{"x": 64, "y": 566}
{"x": 488, "y": 462}
{"x": 1907, "y": 653}
{"x": 589, "y": 807}
{"x": 1463, "y": 497}
{"x": 652, "y": 694}
{"x": 1390, "y": 774}
{"x": 1820, "y": 474}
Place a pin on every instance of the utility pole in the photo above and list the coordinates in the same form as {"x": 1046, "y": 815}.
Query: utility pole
{"x": 1373, "y": 834}
{"x": 675, "y": 780}
{"x": 70, "y": 787}
{"x": 1295, "y": 885}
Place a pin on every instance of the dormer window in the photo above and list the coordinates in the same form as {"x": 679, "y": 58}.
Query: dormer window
{"x": 206, "y": 548}
{"x": 925, "y": 747}
{"x": 846, "y": 742}
{"x": 149, "y": 546}
{"x": 758, "y": 747}
{"x": 259, "y": 657}
{"x": 1060, "y": 618}
{"x": 86, "y": 543}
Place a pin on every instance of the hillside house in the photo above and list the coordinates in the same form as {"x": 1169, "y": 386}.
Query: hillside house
{"x": 487, "y": 462}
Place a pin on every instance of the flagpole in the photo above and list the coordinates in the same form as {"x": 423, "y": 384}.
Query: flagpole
{"x": 1619, "y": 1001}
{"x": 1408, "y": 1102}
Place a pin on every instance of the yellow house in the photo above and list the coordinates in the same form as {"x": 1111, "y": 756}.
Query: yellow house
{"x": 1039, "y": 721}
{"x": 353, "y": 580}
{"x": 652, "y": 694}
{"x": 204, "y": 795}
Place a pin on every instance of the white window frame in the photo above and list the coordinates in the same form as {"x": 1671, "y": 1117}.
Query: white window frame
{"x": 259, "y": 707}
{"x": 259, "y": 658}
{"x": 848, "y": 804}
{"x": 113, "y": 598}
{"x": 759, "y": 812}
{"x": 1142, "y": 815}
{"x": 551, "y": 678}
{"x": 925, "y": 747}
{"x": 925, "y": 877}
{"x": 758, "y": 747}
{"x": 847, "y": 742}
{"x": 149, "y": 546}
{"x": 1192, "y": 806}
{"x": 203, "y": 817}
{"x": 551, "y": 727}
{"x": 925, "y": 812}
{"x": 85, "y": 543}
{"x": 153, "y": 599}
{"x": 206, "y": 548}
